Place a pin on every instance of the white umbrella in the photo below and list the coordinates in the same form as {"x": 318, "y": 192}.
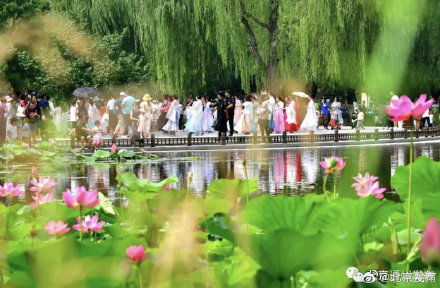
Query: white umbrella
{"x": 300, "y": 94}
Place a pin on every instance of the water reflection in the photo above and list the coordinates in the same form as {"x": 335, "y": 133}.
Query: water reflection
{"x": 291, "y": 171}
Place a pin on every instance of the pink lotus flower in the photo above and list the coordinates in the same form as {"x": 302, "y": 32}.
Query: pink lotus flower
{"x": 403, "y": 109}
{"x": 42, "y": 199}
{"x": 89, "y": 224}
{"x": 421, "y": 106}
{"x": 333, "y": 165}
{"x": 9, "y": 190}
{"x": 114, "y": 148}
{"x": 136, "y": 254}
{"x": 44, "y": 184}
{"x": 430, "y": 244}
{"x": 81, "y": 198}
{"x": 56, "y": 228}
{"x": 368, "y": 185}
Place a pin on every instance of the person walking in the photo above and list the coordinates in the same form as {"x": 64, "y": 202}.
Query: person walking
{"x": 221, "y": 111}
{"x": 244, "y": 123}
{"x": 237, "y": 110}
{"x": 264, "y": 115}
{"x": 254, "y": 116}
{"x": 146, "y": 117}
{"x": 112, "y": 114}
{"x": 291, "y": 124}
{"x": 127, "y": 105}
{"x": 33, "y": 113}
{"x": 336, "y": 116}
{"x": 325, "y": 112}
{"x": 208, "y": 120}
{"x": 279, "y": 115}
{"x": 135, "y": 123}
{"x": 172, "y": 126}
{"x": 230, "y": 109}
{"x": 310, "y": 122}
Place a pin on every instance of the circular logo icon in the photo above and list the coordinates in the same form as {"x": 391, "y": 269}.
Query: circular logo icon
{"x": 358, "y": 277}
{"x": 350, "y": 272}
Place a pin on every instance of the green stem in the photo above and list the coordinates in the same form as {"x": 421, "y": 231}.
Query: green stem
{"x": 7, "y": 219}
{"x": 334, "y": 187}
{"x": 325, "y": 189}
{"x": 140, "y": 276}
{"x": 408, "y": 219}
{"x": 121, "y": 205}
{"x": 80, "y": 223}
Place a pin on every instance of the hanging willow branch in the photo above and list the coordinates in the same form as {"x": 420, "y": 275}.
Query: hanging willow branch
{"x": 253, "y": 41}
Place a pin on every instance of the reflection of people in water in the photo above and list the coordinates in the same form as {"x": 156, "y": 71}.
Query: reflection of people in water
{"x": 279, "y": 169}
{"x": 208, "y": 168}
{"x": 310, "y": 163}
{"x": 290, "y": 169}
{"x": 298, "y": 169}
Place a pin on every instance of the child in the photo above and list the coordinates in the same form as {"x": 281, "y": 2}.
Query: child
{"x": 12, "y": 131}
{"x": 25, "y": 131}
{"x": 144, "y": 125}
{"x": 97, "y": 135}
{"x": 360, "y": 120}
{"x": 73, "y": 115}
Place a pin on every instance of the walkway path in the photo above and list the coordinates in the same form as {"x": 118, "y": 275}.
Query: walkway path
{"x": 160, "y": 141}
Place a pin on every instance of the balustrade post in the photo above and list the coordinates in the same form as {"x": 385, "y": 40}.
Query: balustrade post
{"x": 153, "y": 140}
{"x": 376, "y": 134}
{"x": 255, "y": 138}
{"x": 223, "y": 138}
{"x": 284, "y": 137}
{"x": 358, "y": 136}
{"x": 336, "y": 135}
{"x": 312, "y": 137}
{"x": 189, "y": 140}
{"x": 392, "y": 133}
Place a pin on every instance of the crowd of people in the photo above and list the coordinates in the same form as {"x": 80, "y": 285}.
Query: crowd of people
{"x": 28, "y": 115}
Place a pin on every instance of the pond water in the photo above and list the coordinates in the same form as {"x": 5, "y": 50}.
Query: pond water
{"x": 288, "y": 171}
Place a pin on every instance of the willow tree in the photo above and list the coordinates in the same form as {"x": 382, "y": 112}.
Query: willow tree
{"x": 324, "y": 45}
{"x": 175, "y": 37}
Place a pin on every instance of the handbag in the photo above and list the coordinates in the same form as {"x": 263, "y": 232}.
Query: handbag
{"x": 271, "y": 123}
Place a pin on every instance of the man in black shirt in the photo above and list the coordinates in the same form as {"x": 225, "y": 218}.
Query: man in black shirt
{"x": 230, "y": 101}
{"x": 221, "y": 106}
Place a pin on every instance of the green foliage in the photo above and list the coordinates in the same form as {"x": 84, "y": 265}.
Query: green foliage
{"x": 231, "y": 238}
{"x": 12, "y": 10}
{"x": 199, "y": 46}
{"x": 425, "y": 186}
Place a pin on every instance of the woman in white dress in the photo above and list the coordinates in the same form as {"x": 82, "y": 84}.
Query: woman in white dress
{"x": 172, "y": 125}
{"x": 195, "y": 124}
{"x": 310, "y": 122}
{"x": 291, "y": 124}
{"x": 146, "y": 117}
{"x": 244, "y": 123}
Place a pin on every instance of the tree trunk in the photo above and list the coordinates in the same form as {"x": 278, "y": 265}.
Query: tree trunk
{"x": 272, "y": 62}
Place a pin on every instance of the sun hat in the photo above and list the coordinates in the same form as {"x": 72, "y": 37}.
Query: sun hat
{"x": 147, "y": 97}
{"x": 122, "y": 93}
